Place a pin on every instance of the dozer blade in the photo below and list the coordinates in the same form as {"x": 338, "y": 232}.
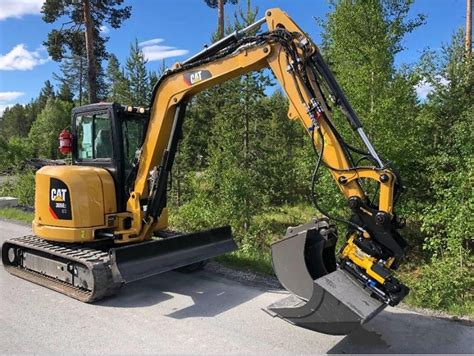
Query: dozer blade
{"x": 134, "y": 262}
{"x": 324, "y": 298}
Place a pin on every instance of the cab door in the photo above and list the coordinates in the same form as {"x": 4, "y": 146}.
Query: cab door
{"x": 97, "y": 142}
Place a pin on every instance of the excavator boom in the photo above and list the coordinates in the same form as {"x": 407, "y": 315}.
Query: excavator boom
{"x": 329, "y": 294}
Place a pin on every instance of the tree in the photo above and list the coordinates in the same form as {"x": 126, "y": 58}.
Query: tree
{"x": 447, "y": 225}
{"x": 225, "y": 130}
{"x": 117, "y": 83}
{"x": 15, "y": 122}
{"x": 65, "y": 93}
{"x": 74, "y": 74}
{"x": 46, "y": 93}
{"x": 50, "y": 122}
{"x": 82, "y": 33}
{"x": 219, "y": 4}
{"x": 137, "y": 76}
{"x": 360, "y": 41}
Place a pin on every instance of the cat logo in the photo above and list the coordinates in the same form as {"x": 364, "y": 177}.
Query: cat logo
{"x": 58, "y": 194}
{"x": 59, "y": 200}
{"x": 194, "y": 77}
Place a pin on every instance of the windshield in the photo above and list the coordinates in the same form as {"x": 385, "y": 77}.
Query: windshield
{"x": 133, "y": 129}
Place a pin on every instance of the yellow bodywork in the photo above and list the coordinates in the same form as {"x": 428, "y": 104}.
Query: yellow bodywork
{"x": 92, "y": 198}
{"x": 91, "y": 193}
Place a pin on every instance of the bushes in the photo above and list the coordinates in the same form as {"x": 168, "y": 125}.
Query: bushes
{"x": 21, "y": 186}
{"x": 13, "y": 153}
{"x": 445, "y": 283}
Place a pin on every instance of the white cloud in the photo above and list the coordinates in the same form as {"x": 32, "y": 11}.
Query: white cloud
{"x": 153, "y": 52}
{"x": 424, "y": 88}
{"x": 151, "y": 42}
{"x": 18, "y": 8}
{"x": 19, "y": 58}
{"x": 104, "y": 29}
{"x": 7, "y": 96}
{"x": 7, "y": 99}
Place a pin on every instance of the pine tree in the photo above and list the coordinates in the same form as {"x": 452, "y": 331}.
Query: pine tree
{"x": 219, "y": 4}
{"x": 46, "y": 93}
{"x": 117, "y": 84}
{"x": 65, "y": 93}
{"x": 153, "y": 78}
{"x": 81, "y": 35}
{"x": 223, "y": 141}
{"x": 137, "y": 76}
{"x": 74, "y": 74}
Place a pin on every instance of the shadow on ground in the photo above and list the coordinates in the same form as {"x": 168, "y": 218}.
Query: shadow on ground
{"x": 394, "y": 332}
{"x": 210, "y": 295}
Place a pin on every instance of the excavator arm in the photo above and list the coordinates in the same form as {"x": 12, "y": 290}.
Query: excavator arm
{"x": 373, "y": 245}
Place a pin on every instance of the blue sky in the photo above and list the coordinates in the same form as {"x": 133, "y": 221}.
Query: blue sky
{"x": 176, "y": 29}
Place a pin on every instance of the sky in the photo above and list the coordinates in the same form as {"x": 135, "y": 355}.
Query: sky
{"x": 174, "y": 30}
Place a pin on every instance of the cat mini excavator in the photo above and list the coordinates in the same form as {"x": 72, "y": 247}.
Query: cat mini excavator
{"x": 102, "y": 221}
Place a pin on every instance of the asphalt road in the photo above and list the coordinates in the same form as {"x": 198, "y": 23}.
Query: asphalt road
{"x": 197, "y": 313}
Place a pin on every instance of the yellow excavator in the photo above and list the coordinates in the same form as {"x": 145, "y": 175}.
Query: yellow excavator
{"x": 102, "y": 221}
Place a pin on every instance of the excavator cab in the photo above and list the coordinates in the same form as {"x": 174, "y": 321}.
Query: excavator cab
{"x": 108, "y": 135}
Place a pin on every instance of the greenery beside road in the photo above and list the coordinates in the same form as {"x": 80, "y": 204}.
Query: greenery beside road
{"x": 242, "y": 162}
{"x": 16, "y": 214}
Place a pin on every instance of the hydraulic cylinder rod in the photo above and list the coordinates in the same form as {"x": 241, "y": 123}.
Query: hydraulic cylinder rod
{"x": 224, "y": 42}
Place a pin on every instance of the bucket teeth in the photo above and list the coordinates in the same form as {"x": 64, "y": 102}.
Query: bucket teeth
{"x": 324, "y": 298}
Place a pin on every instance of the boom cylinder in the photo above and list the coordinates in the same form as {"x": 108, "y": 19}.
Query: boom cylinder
{"x": 224, "y": 42}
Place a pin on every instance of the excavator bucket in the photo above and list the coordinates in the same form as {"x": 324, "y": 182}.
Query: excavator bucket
{"x": 170, "y": 252}
{"x": 324, "y": 298}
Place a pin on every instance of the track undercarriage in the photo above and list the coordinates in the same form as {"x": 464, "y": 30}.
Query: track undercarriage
{"x": 99, "y": 270}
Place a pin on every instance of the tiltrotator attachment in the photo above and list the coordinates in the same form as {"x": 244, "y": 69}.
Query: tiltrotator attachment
{"x": 324, "y": 298}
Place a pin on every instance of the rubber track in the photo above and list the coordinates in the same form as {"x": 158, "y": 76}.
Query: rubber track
{"x": 96, "y": 261}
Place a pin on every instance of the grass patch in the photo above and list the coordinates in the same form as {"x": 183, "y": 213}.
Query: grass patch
{"x": 242, "y": 260}
{"x": 17, "y": 214}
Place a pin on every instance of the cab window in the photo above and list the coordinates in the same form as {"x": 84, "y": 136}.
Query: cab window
{"x": 94, "y": 140}
{"x": 133, "y": 134}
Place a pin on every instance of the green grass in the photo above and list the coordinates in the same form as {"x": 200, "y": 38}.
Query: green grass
{"x": 269, "y": 227}
{"x": 242, "y": 260}
{"x": 16, "y": 214}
